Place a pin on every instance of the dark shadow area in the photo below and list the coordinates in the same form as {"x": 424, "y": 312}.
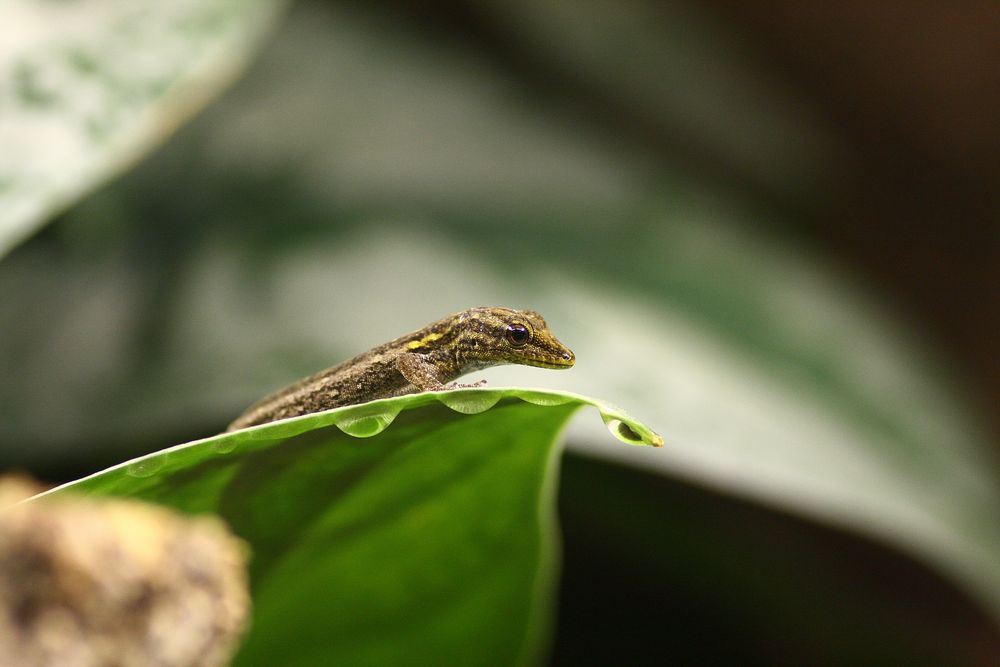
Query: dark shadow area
{"x": 660, "y": 572}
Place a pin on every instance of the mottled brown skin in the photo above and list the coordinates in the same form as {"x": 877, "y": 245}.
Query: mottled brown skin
{"x": 427, "y": 359}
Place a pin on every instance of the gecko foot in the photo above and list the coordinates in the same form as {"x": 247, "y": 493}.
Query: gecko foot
{"x": 456, "y": 385}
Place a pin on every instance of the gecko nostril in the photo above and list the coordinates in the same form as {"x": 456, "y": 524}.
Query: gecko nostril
{"x": 567, "y": 356}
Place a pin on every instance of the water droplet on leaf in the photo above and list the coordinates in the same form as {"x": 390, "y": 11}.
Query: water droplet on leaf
{"x": 146, "y": 467}
{"x": 366, "y": 425}
{"x": 224, "y": 446}
{"x": 470, "y": 402}
{"x": 542, "y": 398}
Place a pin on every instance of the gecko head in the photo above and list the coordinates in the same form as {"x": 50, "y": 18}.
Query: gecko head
{"x": 506, "y": 336}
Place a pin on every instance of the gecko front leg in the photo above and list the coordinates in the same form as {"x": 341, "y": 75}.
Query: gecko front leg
{"x": 423, "y": 373}
{"x": 419, "y": 371}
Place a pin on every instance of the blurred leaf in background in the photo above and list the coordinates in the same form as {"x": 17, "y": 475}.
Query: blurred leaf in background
{"x": 90, "y": 86}
{"x": 629, "y": 169}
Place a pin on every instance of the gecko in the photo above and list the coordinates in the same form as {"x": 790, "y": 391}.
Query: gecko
{"x": 428, "y": 359}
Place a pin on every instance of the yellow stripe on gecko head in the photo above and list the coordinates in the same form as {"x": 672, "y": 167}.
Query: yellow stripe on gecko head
{"x": 429, "y": 338}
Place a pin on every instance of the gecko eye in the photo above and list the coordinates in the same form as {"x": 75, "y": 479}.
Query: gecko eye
{"x": 518, "y": 335}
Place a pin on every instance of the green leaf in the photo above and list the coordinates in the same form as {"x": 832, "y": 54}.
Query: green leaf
{"x": 89, "y": 87}
{"x": 410, "y": 531}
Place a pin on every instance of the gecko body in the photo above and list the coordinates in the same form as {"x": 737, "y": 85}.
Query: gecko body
{"x": 424, "y": 360}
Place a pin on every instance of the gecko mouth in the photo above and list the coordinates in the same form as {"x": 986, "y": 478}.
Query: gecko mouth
{"x": 566, "y": 360}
